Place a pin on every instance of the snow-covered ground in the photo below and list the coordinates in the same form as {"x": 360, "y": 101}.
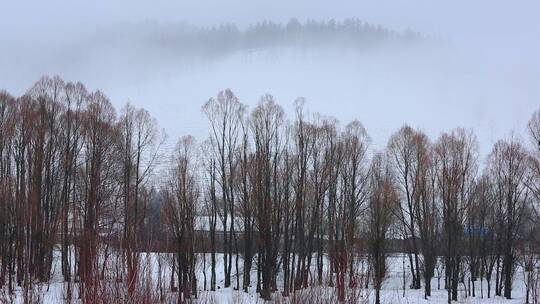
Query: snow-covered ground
{"x": 392, "y": 291}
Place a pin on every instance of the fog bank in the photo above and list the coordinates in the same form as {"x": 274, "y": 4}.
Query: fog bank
{"x": 480, "y": 69}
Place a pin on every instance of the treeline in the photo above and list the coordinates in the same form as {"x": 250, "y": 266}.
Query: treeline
{"x": 228, "y": 37}
{"x": 304, "y": 198}
{"x": 72, "y": 173}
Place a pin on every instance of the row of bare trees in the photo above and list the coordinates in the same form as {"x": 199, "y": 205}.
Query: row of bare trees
{"x": 305, "y": 201}
{"x": 307, "y": 189}
{"x": 74, "y": 178}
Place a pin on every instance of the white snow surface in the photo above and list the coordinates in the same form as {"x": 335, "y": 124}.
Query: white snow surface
{"x": 392, "y": 291}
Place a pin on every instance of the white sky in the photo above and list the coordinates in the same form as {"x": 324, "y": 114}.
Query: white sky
{"x": 484, "y": 74}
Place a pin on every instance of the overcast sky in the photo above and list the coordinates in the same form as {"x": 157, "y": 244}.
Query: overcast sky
{"x": 484, "y": 73}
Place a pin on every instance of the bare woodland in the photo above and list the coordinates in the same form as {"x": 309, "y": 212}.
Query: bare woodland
{"x": 288, "y": 203}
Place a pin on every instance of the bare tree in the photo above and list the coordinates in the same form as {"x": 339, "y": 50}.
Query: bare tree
{"x": 141, "y": 142}
{"x": 476, "y": 230}
{"x": 303, "y": 146}
{"x": 348, "y": 192}
{"x": 210, "y": 205}
{"x": 181, "y": 207}
{"x": 100, "y": 175}
{"x": 456, "y": 156}
{"x": 247, "y": 210}
{"x": 287, "y": 177}
{"x": 8, "y": 113}
{"x": 482, "y": 218}
{"x": 383, "y": 198}
{"x": 225, "y": 113}
{"x": 428, "y": 205}
{"x": 266, "y": 126}
{"x": 74, "y": 101}
{"x": 403, "y": 147}
{"x": 534, "y": 130}
{"x": 533, "y": 182}
{"x": 411, "y": 157}
{"x": 355, "y": 178}
{"x": 508, "y": 166}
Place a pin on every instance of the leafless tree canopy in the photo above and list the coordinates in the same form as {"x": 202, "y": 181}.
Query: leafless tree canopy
{"x": 284, "y": 204}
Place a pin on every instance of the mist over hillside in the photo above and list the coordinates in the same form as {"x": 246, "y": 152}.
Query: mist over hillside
{"x": 352, "y": 60}
{"x": 222, "y": 39}
{"x": 124, "y": 48}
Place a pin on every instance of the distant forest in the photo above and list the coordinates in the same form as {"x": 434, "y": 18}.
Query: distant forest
{"x": 228, "y": 37}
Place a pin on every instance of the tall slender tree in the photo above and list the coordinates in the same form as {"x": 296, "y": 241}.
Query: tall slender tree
{"x": 181, "y": 207}
{"x": 508, "y": 166}
{"x": 382, "y": 200}
{"x": 225, "y": 115}
{"x": 456, "y": 155}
